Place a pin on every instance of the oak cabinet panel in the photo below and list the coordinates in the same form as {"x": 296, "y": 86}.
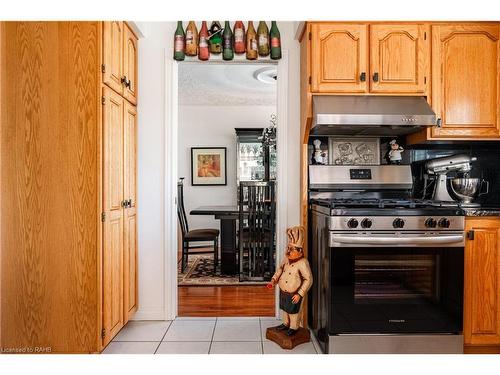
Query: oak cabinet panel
{"x": 399, "y": 58}
{"x": 130, "y": 213}
{"x": 129, "y": 65}
{"x": 465, "y": 80}
{"x": 482, "y": 282}
{"x": 339, "y": 58}
{"x": 112, "y": 68}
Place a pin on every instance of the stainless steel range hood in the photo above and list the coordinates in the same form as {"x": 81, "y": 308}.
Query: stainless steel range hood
{"x": 370, "y": 115}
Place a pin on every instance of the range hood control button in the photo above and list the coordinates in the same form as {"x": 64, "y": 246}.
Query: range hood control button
{"x": 398, "y": 223}
{"x": 352, "y": 223}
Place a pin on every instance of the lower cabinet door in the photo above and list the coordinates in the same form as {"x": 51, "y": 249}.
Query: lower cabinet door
{"x": 482, "y": 282}
{"x": 113, "y": 317}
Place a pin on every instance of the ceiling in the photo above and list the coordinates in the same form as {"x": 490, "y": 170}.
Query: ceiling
{"x": 225, "y": 84}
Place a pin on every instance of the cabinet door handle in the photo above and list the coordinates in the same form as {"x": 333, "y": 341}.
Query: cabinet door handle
{"x": 124, "y": 203}
{"x": 375, "y": 77}
{"x": 124, "y": 80}
{"x": 362, "y": 77}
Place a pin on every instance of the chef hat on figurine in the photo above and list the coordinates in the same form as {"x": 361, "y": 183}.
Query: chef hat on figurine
{"x": 296, "y": 236}
{"x": 393, "y": 142}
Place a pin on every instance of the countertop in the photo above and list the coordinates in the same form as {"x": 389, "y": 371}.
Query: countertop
{"x": 482, "y": 211}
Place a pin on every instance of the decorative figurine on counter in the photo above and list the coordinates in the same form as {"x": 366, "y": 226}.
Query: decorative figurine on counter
{"x": 394, "y": 155}
{"x": 294, "y": 279}
{"x": 319, "y": 156}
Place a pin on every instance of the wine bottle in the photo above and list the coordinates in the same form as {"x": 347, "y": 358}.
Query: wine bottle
{"x": 252, "y": 48}
{"x": 239, "y": 37}
{"x": 227, "y": 42}
{"x": 274, "y": 35}
{"x": 203, "y": 51}
{"x": 215, "y": 37}
{"x": 191, "y": 39}
{"x": 263, "y": 38}
{"x": 179, "y": 42}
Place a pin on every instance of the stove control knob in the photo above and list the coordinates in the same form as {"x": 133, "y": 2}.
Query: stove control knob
{"x": 352, "y": 223}
{"x": 366, "y": 223}
{"x": 430, "y": 223}
{"x": 444, "y": 223}
{"x": 398, "y": 223}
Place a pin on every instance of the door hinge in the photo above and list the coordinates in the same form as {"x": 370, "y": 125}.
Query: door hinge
{"x": 103, "y": 217}
{"x": 425, "y": 80}
{"x": 103, "y": 68}
{"x": 425, "y": 35}
{"x": 103, "y": 333}
{"x": 310, "y": 35}
{"x": 103, "y": 100}
{"x": 310, "y": 80}
{"x": 470, "y": 235}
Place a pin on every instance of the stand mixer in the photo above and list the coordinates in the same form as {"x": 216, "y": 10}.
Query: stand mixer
{"x": 441, "y": 167}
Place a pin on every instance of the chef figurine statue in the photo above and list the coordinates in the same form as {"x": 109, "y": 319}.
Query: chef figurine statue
{"x": 319, "y": 156}
{"x": 294, "y": 279}
{"x": 394, "y": 154}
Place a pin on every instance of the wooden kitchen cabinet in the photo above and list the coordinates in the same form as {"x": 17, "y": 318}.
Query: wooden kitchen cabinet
{"x": 399, "y": 58}
{"x": 339, "y": 57}
{"x": 482, "y": 282}
{"x": 68, "y": 151}
{"x": 465, "y": 81}
{"x": 112, "y": 65}
{"x": 120, "y": 54}
{"x": 130, "y": 281}
{"x": 370, "y": 58}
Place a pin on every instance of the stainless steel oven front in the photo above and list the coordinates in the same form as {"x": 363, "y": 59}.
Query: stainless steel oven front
{"x": 386, "y": 291}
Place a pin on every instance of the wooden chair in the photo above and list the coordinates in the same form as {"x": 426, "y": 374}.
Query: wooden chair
{"x": 256, "y": 234}
{"x": 195, "y": 235}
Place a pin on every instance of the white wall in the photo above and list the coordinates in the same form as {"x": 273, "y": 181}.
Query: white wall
{"x": 213, "y": 126}
{"x": 151, "y": 153}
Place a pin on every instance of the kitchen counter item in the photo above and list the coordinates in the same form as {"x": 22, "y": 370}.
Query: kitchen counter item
{"x": 467, "y": 189}
{"x": 482, "y": 211}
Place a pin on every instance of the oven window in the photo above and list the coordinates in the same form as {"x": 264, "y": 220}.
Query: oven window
{"x": 408, "y": 278}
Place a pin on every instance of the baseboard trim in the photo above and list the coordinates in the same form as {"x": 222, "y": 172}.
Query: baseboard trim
{"x": 481, "y": 349}
{"x": 149, "y": 315}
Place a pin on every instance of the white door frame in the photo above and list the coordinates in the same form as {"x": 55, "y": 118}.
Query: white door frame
{"x": 171, "y": 175}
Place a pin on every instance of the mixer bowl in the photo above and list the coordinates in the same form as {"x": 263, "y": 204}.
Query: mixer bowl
{"x": 466, "y": 189}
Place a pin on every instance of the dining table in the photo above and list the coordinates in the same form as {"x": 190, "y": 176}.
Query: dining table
{"x": 228, "y": 216}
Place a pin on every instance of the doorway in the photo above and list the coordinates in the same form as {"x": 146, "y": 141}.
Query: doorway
{"x": 197, "y": 95}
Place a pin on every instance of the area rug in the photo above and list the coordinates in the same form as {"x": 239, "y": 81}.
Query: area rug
{"x": 199, "y": 271}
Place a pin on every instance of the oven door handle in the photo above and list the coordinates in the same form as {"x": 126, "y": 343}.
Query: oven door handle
{"x": 406, "y": 240}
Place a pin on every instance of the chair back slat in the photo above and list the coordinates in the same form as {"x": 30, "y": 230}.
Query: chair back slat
{"x": 181, "y": 212}
{"x": 257, "y": 206}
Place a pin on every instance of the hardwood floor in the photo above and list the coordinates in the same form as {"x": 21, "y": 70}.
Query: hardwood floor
{"x": 225, "y": 301}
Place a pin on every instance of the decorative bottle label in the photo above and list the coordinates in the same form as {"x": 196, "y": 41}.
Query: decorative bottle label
{"x": 253, "y": 43}
{"x": 239, "y": 35}
{"x": 262, "y": 39}
{"x": 189, "y": 37}
{"x": 179, "y": 43}
{"x": 275, "y": 42}
{"x": 203, "y": 42}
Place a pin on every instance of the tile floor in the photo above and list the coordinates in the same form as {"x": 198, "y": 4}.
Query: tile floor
{"x": 201, "y": 336}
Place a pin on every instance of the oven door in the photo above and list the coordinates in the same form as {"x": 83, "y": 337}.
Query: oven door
{"x": 393, "y": 283}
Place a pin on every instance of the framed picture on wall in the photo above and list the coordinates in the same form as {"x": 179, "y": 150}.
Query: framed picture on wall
{"x": 208, "y": 166}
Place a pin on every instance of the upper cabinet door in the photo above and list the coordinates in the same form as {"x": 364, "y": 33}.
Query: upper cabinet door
{"x": 399, "y": 58}
{"x": 339, "y": 54}
{"x": 129, "y": 65}
{"x": 113, "y": 55}
{"x": 465, "y": 80}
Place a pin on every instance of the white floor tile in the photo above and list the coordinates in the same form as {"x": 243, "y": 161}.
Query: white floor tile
{"x": 266, "y": 323}
{"x": 183, "y": 347}
{"x": 237, "y": 330}
{"x": 246, "y": 318}
{"x": 209, "y": 319}
{"x": 146, "y": 330}
{"x": 129, "y": 347}
{"x": 190, "y": 330}
{"x": 236, "y": 348}
{"x": 273, "y": 348}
